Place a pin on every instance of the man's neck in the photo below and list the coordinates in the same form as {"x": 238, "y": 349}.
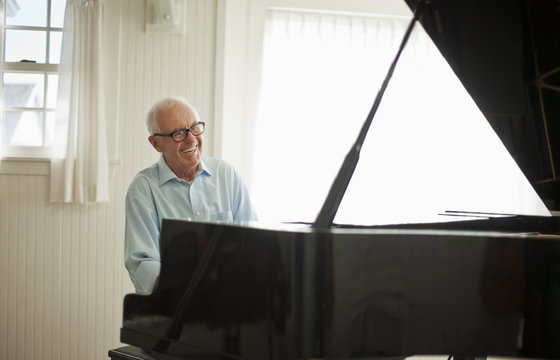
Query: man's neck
{"x": 190, "y": 174}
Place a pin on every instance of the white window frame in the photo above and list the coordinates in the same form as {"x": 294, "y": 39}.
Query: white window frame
{"x": 20, "y": 163}
{"x": 46, "y": 69}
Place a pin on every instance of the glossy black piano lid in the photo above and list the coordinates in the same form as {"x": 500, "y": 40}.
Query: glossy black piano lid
{"x": 507, "y": 55}
{"x": 349, "y": 293}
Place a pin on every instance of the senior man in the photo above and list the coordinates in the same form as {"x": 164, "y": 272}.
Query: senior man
{"x": 181, "y": 185}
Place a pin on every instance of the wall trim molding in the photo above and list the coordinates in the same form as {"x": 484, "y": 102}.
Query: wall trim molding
{"x": 37, "y": 166}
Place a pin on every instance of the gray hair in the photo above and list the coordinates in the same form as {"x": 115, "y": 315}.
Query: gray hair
{"x": 166, "y": 104}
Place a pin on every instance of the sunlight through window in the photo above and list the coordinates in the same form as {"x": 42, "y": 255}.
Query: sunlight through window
{"x": 429, "y": 150}
{"x": 32, "y": 33}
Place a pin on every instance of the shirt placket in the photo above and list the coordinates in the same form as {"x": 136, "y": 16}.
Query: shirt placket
{"x": 196, "y": 204}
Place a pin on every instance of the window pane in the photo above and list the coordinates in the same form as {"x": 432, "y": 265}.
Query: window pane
{"x": 25, "y": 44}
{"x": 52, "y": 90}
{"x": 55, "y": 44}
{"x": 30, "y": 13}
{"x": 57, "y": 13}
{"x": 23, "y": 90}
{"x": 23, "y": 128}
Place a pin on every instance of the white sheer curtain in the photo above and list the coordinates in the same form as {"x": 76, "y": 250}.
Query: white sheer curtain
{"x": 429, "y": 150}
{"x": 80, "y": 165}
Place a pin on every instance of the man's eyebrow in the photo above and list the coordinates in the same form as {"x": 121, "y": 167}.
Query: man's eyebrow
{"x": 181, "y": 128}
{"x": 168, "y": 131}
{"x": 177, "y": 129}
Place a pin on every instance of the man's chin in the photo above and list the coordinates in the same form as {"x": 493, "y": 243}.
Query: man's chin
{"x": 191, "y": 160}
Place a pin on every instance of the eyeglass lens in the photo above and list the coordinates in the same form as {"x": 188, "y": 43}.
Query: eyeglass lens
{"x": 180, "y": 135}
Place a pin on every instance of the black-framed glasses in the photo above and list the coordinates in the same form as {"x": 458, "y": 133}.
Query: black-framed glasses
{"x": 181, "y": 134}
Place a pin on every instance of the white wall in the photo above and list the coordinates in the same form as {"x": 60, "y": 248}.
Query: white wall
{"x": 62, "y": 277}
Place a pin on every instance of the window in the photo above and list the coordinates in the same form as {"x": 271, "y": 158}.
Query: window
{"x": 429, "y": 149}
{"x": 32, "y": 38}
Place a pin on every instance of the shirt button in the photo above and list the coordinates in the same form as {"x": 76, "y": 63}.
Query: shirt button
{"x": 198, "y": 213}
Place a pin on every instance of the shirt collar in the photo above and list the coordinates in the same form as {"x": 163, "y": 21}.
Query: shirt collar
{"x": 166, "y": 174}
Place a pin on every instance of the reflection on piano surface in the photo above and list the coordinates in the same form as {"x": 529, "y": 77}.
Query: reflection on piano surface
{"x": 349, "y": 293}
{"x": 488, "y": 287}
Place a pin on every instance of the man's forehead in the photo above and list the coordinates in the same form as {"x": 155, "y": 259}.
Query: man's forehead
{"x": 177, "y": 116}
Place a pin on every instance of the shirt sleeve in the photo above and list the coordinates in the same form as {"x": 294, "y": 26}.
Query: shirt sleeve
{"x": 142, "y": 231}
{"x": 243, "y": 209}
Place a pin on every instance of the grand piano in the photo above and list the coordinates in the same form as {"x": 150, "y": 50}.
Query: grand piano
{"x": 488, "y": 287}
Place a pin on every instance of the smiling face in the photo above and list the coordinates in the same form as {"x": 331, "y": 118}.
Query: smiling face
{"x": 182, "y": 157}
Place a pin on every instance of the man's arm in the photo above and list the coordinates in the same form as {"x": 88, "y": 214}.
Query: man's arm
{"x": 243, "y": 208}
{"x": 142, "y": 231}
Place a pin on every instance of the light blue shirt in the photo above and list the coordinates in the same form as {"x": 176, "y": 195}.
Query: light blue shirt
{"x": 216, "y": 193}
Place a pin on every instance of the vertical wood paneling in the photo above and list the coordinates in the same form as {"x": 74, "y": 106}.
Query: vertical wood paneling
{"x": 11, "y": 273}
{"x": 4, "y": 267}
{"x": 30, "y": 249}
{"x": 62, "y": 274}
{"x": 39, "y": 261}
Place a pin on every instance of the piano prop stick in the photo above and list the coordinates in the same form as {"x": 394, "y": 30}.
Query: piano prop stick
{"x": 332, "y": 202}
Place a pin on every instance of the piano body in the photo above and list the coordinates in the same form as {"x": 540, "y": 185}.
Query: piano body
{"x": 488, "y": 287}
{"x": 340, "y": 293}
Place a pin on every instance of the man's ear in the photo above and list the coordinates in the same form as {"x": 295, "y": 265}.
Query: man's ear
{"x": 154, "y": 143}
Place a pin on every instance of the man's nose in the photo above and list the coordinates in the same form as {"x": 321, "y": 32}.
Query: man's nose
{"x": 190, "y": 137}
